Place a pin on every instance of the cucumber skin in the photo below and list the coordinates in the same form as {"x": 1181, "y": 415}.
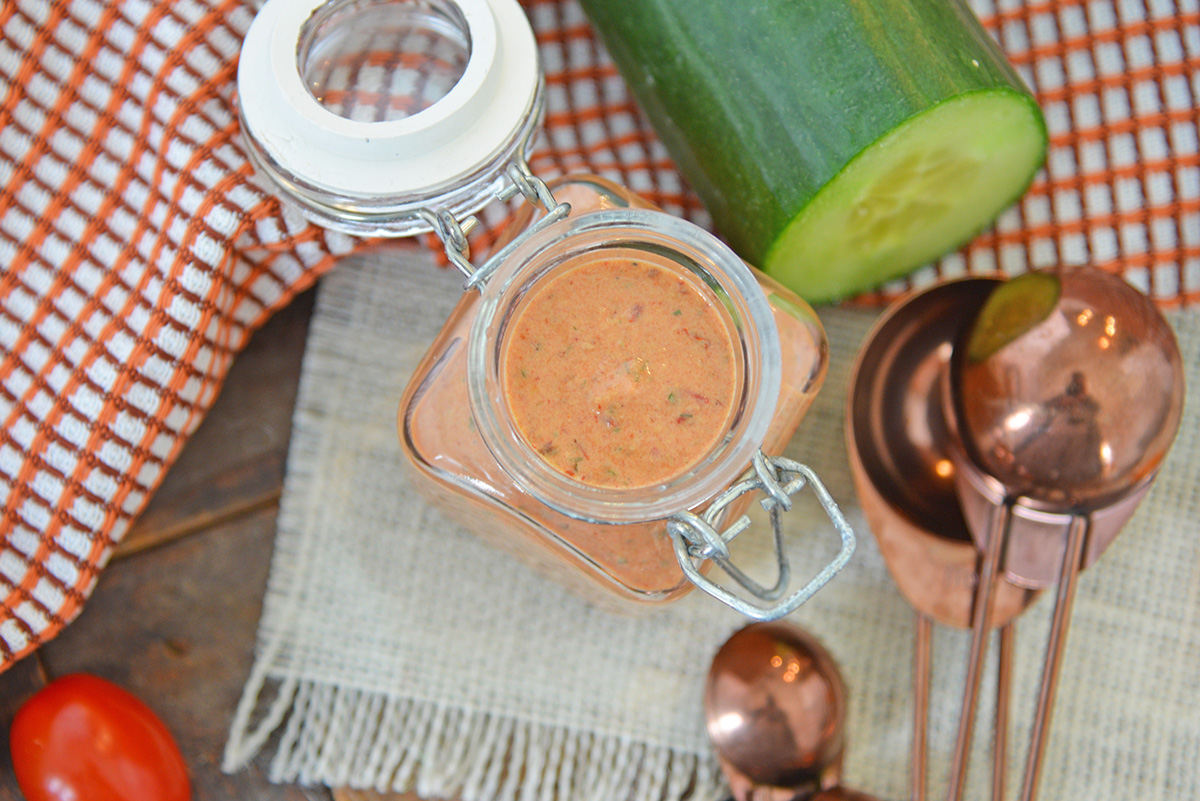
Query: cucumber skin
{"x": 761, "y": 102}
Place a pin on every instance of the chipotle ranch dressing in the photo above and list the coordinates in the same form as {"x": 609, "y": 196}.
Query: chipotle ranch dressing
{"x": 620, "y": 371}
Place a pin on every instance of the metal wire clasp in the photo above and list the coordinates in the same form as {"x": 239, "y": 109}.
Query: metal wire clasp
{"x": 454, "y": 234}
{"x": 696, "y": 539}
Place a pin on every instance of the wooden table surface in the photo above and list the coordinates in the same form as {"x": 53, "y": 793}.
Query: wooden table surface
{"x": 174, "y": 616}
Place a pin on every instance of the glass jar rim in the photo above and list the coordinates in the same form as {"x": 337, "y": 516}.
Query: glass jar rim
{"x": 537, "y": 258}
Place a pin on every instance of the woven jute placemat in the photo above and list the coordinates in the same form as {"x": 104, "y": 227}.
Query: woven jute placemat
{"x": 397, "y": 651}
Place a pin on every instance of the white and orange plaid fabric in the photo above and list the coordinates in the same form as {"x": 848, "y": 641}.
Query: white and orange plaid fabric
{"x": 139, "y": 253}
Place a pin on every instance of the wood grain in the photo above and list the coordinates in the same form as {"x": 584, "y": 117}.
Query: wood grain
{"x": 174, "y": 617}
{"x": 175, "y": 626}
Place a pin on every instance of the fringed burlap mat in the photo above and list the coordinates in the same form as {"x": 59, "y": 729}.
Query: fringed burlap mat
{"x": 396, "y": 651}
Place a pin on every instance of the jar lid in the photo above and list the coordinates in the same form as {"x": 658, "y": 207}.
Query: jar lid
{"x": 367, "y": 170}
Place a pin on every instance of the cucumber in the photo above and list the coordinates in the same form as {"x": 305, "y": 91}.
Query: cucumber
{"x": 837, "y": 144}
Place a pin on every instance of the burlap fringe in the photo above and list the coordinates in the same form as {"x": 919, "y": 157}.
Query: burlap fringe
{"x": 350, "y": 738}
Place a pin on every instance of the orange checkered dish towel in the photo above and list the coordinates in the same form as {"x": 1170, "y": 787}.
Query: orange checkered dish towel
{"x": 139, "y": 252}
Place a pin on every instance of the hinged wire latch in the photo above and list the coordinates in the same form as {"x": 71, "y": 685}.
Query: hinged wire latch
{"x": 696, "y": 538}
{"x": 454, "y": 234}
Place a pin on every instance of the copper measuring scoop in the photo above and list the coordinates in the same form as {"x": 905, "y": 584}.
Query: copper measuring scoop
{"x": 897, "y": 442}
{"x": 1062, "y": 399}
{"x": 989, "y": 468}
{"x": 775, "y": 708}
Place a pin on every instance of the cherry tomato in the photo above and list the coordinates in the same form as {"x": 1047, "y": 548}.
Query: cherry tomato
{"x": 82, "y": 738}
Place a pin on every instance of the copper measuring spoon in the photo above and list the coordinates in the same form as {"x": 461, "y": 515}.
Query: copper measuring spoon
{"x": 1062, "y": 398}
{"x": 896, "y": 440}
{"x": 775, "y": 709}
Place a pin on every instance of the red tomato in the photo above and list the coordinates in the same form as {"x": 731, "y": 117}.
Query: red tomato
{"x": 81, "y": 738}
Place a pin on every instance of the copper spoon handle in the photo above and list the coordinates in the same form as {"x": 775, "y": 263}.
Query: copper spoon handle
{"x": 922, "y": 674}
{"x": 1072, "y": 564}
{"x": 985, "y": 592}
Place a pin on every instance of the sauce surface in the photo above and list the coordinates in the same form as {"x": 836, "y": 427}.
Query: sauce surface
{"x": 620, "y": 372}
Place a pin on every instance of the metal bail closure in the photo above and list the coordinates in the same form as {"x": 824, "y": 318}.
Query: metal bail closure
{"x": 454, "y": 234}
{"x": 364, "y": 113}
{"x": 696, "y": 538}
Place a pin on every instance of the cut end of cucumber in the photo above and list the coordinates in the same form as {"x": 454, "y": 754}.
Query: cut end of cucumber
{"x": 1013, "y": 307}
{"x": 914, "y": 194}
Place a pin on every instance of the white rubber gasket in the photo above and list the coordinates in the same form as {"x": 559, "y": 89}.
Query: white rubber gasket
{"x": 438, "y": 146}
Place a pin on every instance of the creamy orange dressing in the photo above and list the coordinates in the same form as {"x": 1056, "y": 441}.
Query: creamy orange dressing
{"x": 620, "y": 372}
{"x": 623, "y": 568}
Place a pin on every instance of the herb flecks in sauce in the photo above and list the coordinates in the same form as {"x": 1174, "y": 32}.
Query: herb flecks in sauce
{"x": 621, "y": 372}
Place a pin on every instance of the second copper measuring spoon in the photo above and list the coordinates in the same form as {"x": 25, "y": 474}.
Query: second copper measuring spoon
{"x": 897, "y": 444}
{"x": 1063, "y": 398}
{"x": 1060, "y": 394}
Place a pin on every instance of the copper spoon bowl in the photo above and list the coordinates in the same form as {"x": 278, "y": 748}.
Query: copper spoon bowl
{"x": 775, "y": 708}
{"x": 1064, "y": 398}
{"x": 774, "y": 704}
{"x": 898, "y": 446}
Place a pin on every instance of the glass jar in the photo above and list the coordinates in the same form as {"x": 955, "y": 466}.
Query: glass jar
{"x": 426, "y": 162}
{"x": 611, "y": 545}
